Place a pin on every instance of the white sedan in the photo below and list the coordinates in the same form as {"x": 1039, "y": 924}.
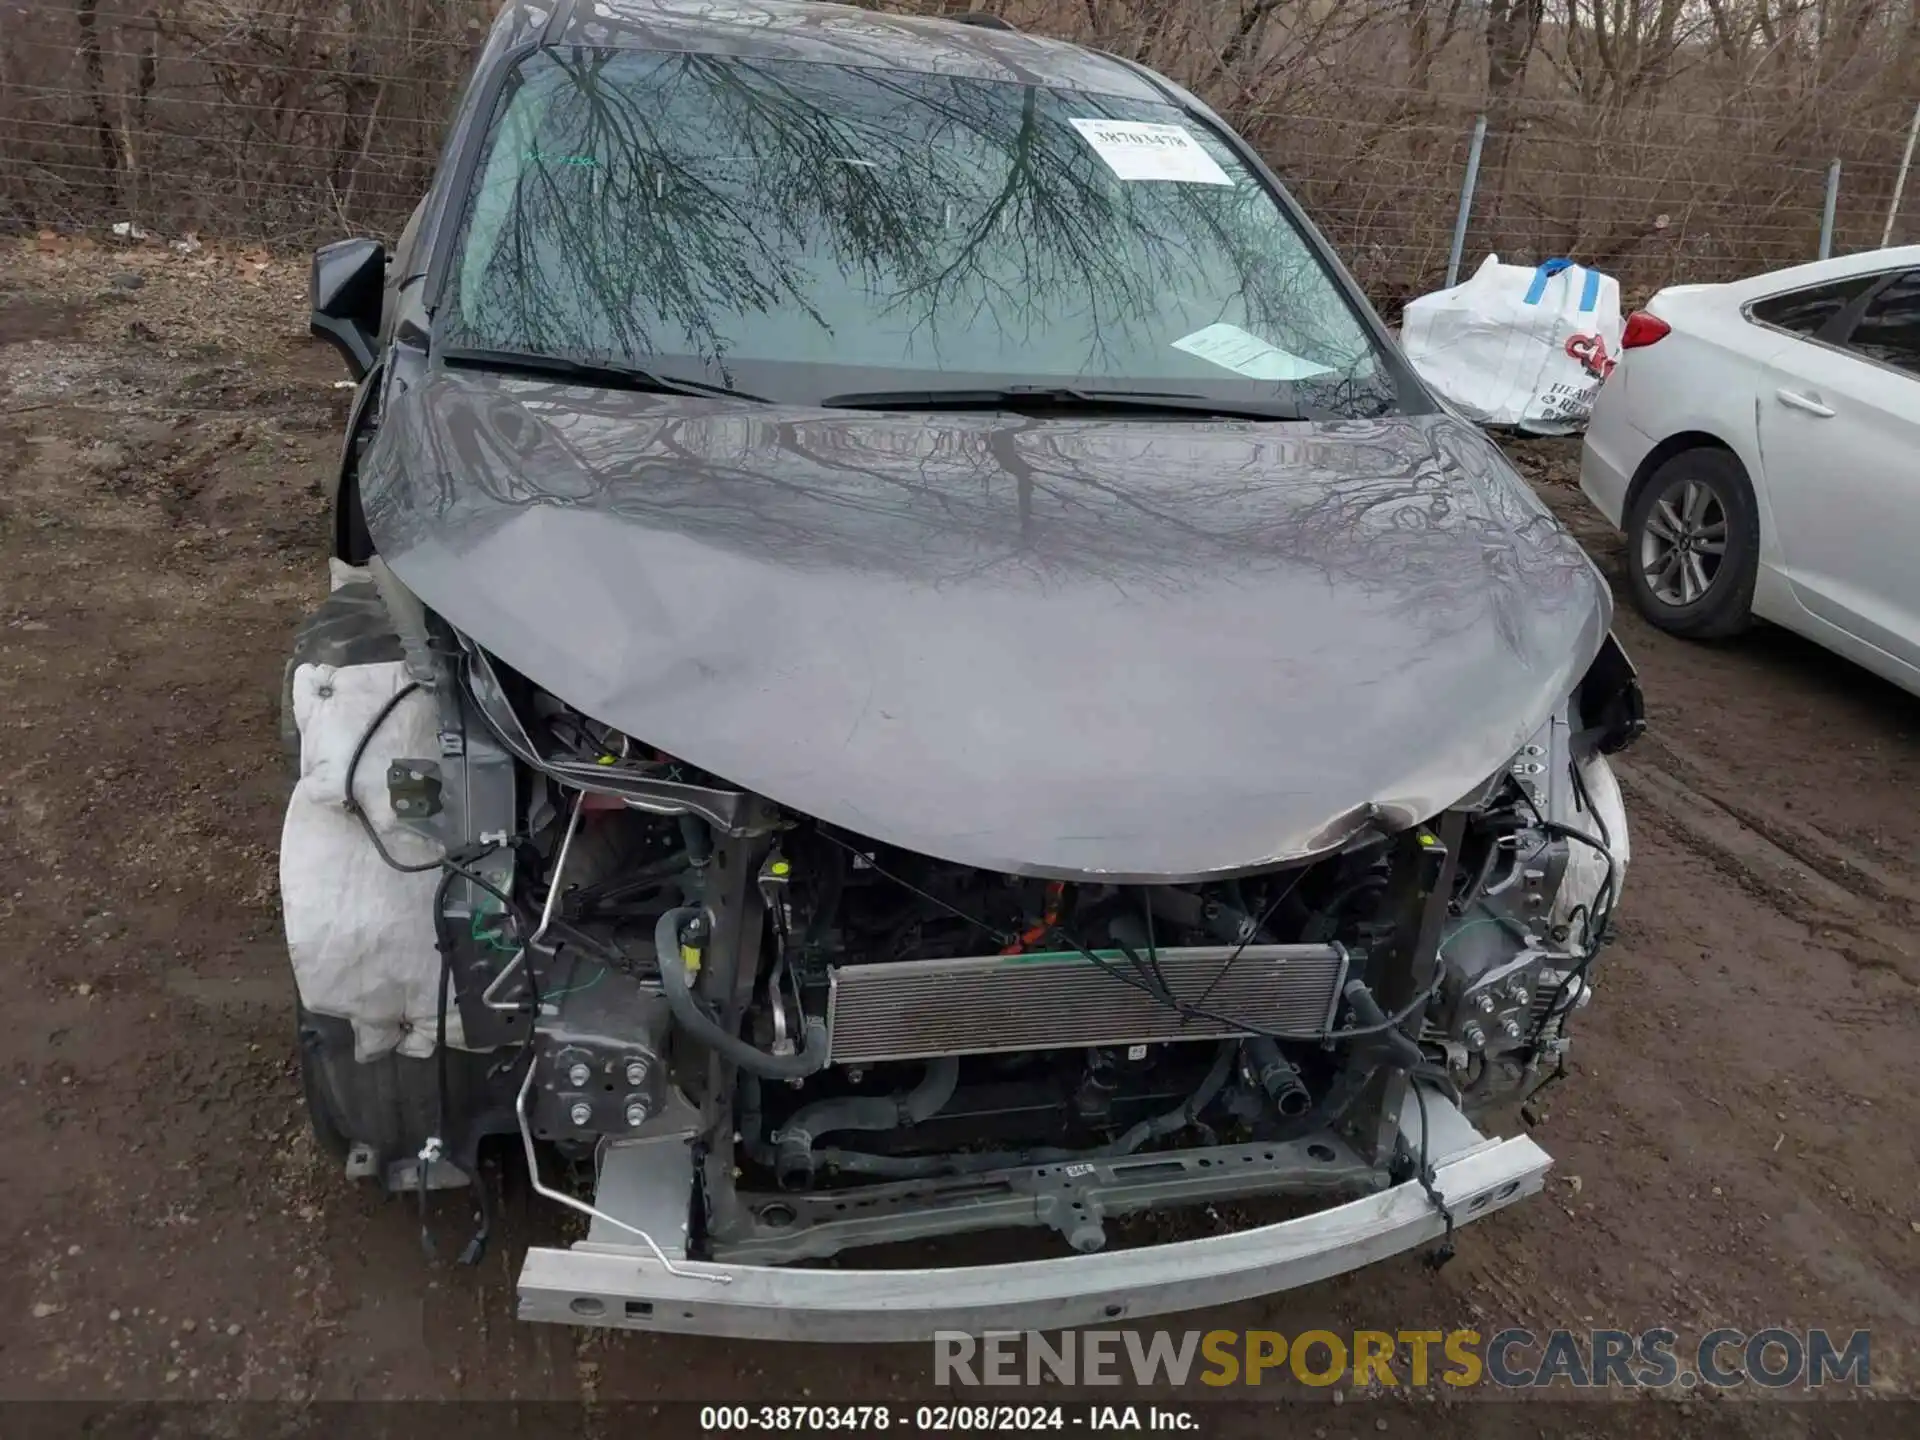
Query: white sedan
{"x": 1759, "y": 444}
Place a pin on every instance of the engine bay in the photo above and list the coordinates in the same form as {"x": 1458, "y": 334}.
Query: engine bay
{"x": 628, "y": 951}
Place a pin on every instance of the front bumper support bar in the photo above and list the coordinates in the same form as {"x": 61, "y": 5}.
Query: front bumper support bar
{"x": 601, "y": 1281}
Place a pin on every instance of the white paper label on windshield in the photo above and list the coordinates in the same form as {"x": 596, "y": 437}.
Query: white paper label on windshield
{"x": 1134, "y": 150}
{"x": 1244, "y": 353}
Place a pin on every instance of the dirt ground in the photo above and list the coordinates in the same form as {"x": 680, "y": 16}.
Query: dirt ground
{"x": 1735, "y": 1147}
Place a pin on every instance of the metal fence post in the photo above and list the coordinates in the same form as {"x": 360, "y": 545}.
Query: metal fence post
{"x": 1826, "y": 215}
{"x": 1900, "y": 180}
{"x": 1466, "y": 200}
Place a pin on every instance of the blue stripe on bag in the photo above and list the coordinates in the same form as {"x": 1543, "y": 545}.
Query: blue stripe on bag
{"x": 1542, "y": 273}
{"x": 1590, "y": 292}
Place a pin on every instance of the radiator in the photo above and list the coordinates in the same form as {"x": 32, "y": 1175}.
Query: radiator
{"x": 912, "y": 1009}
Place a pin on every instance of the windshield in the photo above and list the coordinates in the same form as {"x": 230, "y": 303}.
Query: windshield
{"x": 802, "y": 231}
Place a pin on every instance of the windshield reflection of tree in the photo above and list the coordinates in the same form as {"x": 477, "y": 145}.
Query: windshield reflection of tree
{"x": 608, "y": 257}
{"x": 681, "y": 204}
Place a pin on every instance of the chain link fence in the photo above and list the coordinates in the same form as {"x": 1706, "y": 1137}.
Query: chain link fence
{"x": 1658, "y": 139}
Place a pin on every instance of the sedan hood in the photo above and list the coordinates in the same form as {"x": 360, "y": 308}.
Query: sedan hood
{"x": 1130, "y": 648}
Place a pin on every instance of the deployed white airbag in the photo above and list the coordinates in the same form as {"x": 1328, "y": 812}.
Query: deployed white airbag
{"x": 359, "y": 932}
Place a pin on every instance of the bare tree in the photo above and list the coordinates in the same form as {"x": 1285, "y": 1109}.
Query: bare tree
{"x": 1661, "y": 137}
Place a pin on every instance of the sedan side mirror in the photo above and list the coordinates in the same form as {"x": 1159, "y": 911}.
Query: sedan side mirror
{"x": 346, "y": 288}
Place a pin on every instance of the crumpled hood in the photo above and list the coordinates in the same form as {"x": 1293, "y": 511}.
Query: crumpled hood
{"x": 1141, "y": 649}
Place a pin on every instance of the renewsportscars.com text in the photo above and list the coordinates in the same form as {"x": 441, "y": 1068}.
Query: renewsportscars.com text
{"x": 1510, "y": 1359}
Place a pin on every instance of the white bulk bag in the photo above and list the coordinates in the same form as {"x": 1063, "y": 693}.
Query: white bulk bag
{"x": 1518, "y": 345}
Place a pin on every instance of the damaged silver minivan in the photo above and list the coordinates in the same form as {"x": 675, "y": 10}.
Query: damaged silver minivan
{"x": 908, "y": 657}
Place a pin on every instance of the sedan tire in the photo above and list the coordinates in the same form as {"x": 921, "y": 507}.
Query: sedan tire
{"x": 1693, "y": 545}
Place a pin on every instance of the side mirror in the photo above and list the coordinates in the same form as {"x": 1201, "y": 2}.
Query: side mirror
{"x": 347, "y": 285}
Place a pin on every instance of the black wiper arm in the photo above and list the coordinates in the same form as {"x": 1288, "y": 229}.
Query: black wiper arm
{"x": 1014, "y": 397}
{"x": 585, "y": 372}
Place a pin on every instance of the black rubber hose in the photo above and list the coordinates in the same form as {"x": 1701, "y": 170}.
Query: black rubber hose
{"x": 793, "y": 1165}
{"x": 1347, "y": 1088}
{"x": 903, "y": 1167}
{"x": 641, "y": 880}
{"x": 1185, "y": 1115}
{"x": 1385, "y": 1048}
{"x": 1278, "y": 1076}
{"x": 1402, "y": 1052}
{"x": 698, "y": 839}
{"x": 678, "y": 989}
{"x": 899, "y": 1167}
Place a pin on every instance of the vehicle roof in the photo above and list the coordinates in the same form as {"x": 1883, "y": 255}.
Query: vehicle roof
{"x": 829, "y": 34}
{"x": 1814, "y": 272}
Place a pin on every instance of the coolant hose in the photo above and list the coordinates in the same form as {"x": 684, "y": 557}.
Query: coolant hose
{"x": 901, "y": 1167}
{"x": 904, "y": 1167}
{"x": 678, "y": 988}
{"x": 854, "y": 1162}
{"x": 1400, "y": 1050}
{"x": 1185, "y": 1115}
{"x": 1383, "y": 1049}
{"x": 698, "y": 838}
{"x": 1277, "y": 1076}
{"x": 793, "y": 1166}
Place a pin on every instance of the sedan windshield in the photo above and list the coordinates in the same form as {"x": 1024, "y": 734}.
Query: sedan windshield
{"x": 807, "y": 232}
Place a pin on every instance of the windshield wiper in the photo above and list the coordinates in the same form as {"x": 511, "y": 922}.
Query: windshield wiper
{"x": 585, "y": 372}
{"x": 1027, "y": 397}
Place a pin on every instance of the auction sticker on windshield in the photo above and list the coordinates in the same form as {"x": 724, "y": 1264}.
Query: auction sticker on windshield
{"x": 1244, "y": 353}
{"x": 1135, "y": 150}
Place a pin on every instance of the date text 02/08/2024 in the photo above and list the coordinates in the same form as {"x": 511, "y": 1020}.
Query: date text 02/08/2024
{"x": 941, "y": 1419}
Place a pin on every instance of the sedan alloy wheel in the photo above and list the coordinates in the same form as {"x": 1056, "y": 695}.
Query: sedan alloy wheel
{"x": 1684, "y": 542}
